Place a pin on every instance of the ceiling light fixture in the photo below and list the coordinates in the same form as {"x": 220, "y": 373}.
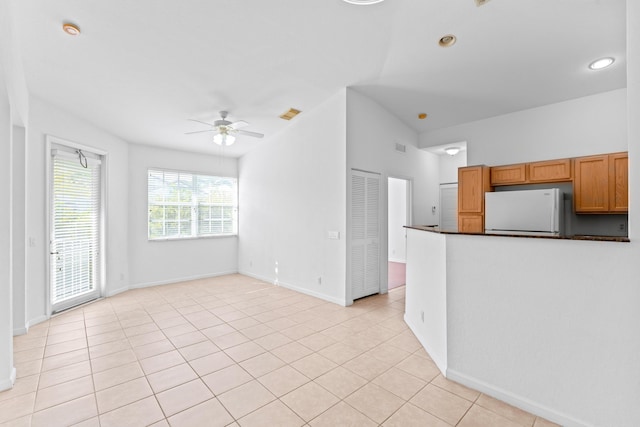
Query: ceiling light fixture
{"x": 601, "y": 63}
{"x": 447, "y": 41}
{"x": 363, "y": 2}
{"x": 452, "y": 151}
{"x": 224, "y": 138}
{"x": 71, "y": 29}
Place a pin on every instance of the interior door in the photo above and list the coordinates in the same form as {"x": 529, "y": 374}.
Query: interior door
{"x": 365, "y": 234}
{"x": 75, "y": 227}
{"x": 448, "y": 207}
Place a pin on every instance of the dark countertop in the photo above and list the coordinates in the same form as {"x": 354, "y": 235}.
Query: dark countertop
{"x": 435, "y": 229}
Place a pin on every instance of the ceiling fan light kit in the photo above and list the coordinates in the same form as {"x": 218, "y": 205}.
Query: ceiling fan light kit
{"x": 226, "y": 130}
{"x": 224, "y": 139}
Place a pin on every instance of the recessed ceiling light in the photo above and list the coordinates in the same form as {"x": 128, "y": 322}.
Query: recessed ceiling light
{"x": 363, "y": 2}
{"x": 447, "y": 41}
{"x": 601, "y": 63}
{"x": 70, "y": 29}
{"x": 422, "y": 116}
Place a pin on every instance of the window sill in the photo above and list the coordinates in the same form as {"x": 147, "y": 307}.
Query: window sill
{"x": 179, "y": 239}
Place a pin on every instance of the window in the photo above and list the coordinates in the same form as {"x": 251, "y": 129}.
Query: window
{"x": 185, "y": 205}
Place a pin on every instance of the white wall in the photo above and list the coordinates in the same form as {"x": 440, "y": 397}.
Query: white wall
{"x": 18, "y": 201}
{"x": 7, "y": 371}
{"x": 159, "y": 262}
{"x": 372, "y": 133}
{"x": 426, "y": 292}
{"x": 448, "y": 166}
{"x": 292, "y": 192}
{"x": 397, "y": 219}
{"x": 46, "y": 119}
{"x": 584, "y": 126}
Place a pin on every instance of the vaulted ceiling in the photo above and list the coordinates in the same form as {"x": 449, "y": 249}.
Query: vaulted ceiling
{"x": 141, "y": 68}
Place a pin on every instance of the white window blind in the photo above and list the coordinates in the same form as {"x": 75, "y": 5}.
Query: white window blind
{"x": 76, "y": 226}
{"x": 187, "y": 205}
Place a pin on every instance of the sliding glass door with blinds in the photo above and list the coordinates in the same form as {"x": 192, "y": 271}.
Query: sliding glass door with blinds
{"x": 75, "y": 227}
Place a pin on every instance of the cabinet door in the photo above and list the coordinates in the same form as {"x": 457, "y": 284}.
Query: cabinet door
{"x": 591, "y": 184}
{"x": 619, "y": 182}
{"x": 471, "y": 224}
{"x": 550, "y": 171}
{"x": 471, "y": 187}
{"x": 508, "y": 175}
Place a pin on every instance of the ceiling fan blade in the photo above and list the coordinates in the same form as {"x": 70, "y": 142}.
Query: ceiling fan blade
{"x": 248, "y": 133}
{"x": 199, "y": 131}
{"x": 239, "y": 124}
{"x": 204, "y": 123}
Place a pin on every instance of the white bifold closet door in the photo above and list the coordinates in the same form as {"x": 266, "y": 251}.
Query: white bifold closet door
{"x": 75, "y": 228}
{"x": 365, "y": 234}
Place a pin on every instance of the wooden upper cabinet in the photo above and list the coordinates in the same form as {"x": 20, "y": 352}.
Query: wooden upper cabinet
{"x": 619, "y": 182}
{"x": 591, "y": 184}
{"x": 509, "y": 175}
{"x": 473, "y": 182}
{"x": 550, "y": 171}
{"x": 471, "y": 188}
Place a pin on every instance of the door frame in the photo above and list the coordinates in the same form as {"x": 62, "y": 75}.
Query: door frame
{"x": 384, "y": 283}
{"x": 50, "y": 142}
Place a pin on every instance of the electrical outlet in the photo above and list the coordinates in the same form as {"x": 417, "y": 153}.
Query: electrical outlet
{"x": 319, "y": 280}
{"x": 422, "y": 315}
{"x": 621, "y": 226}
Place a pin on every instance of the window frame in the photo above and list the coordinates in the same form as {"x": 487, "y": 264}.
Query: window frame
{"x": 194, "y": 205}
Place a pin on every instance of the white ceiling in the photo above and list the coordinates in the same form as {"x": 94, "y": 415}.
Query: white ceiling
{"x": 141, "y": 68}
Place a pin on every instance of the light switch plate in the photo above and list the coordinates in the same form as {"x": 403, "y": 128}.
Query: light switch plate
{"x": 333, "y": 235}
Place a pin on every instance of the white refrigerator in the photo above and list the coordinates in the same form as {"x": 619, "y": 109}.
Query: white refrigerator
{"x": 524, "y": 212}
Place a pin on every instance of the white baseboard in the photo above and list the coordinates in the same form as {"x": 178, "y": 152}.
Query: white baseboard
{"x": 20, "y": 331}
{"x": 36, "y": 320}
{"x": 515, "y": 400}
{"x": 441, "y": 364}
{"x": 398, "y": 260}
{"x": 300, "y": 289}
{"x": 117, "y": 291}
{"x": 181, "y": 279}
{"x": 8, "y": 383}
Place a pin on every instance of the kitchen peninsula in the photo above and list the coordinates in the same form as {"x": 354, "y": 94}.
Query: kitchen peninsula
{"x": 510, "y": 315}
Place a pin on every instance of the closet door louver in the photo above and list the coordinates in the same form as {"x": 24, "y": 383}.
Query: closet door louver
{"x": 365, "y": 234}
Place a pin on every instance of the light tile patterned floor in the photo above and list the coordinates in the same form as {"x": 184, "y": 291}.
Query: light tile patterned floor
{"x": 236, "y": 351}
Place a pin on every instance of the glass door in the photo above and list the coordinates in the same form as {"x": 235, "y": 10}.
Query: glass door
{"x": 75, "y": 227}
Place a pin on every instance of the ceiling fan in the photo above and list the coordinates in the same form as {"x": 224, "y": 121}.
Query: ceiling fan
{"x": 225, "y": 130}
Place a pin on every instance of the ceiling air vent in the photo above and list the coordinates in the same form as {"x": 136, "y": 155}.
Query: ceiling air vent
{"x": 481, "y": 2}
{"x": 401, "y": 148}
{"x": 290, "y": 114}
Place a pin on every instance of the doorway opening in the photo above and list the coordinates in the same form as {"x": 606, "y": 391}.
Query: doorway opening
{"x": 398, "y": 215}
{"x": 75, "y": 226}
